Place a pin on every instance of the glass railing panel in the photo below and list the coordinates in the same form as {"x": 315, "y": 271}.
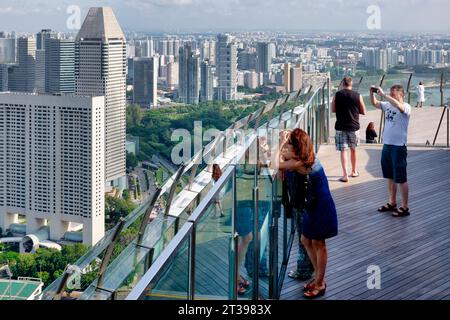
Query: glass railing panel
{"x": 213, "y": 238}
{"x": 172, "y": 283}
{"x": 264, "y": 223}
{"x": 133, "y": 261}
{"x": 245, "y": 178}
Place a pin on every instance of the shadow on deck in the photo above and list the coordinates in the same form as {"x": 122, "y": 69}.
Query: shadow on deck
{"x": 413, "y": 253}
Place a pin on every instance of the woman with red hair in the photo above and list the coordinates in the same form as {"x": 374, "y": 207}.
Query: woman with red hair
{"x": 310, "y": 194}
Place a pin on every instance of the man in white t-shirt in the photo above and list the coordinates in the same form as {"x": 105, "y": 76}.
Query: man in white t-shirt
{"x": 395, "y": 138}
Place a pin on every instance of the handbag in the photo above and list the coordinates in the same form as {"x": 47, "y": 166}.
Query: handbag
{"x": 302, "y": 196}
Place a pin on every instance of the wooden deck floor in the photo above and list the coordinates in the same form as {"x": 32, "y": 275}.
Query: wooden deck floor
{"x": 413, "y": 253}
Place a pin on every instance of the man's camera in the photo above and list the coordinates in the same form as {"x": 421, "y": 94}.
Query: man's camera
{"x": 374, "y": 90}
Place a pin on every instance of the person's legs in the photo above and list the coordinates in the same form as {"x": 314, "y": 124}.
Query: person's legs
{"x": 344, "y": 164}
{"x": 304, "y": 265}
{"x": 404, "y": 189}
{"x": 354, "y": 159}
{"x": 307, "y": 243}
{"x": 243, "y": 244}
{"x": 342, "y": 146}
{"x": 392, "y": 187}
{"x": 319, "y": 246}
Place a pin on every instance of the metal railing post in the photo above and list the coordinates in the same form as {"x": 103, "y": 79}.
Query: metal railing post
{"x": 256, "y": 233}
{"x": 108, "y": 253}
{"x": 235, "y": 240}
{"x": 192, "y": 251}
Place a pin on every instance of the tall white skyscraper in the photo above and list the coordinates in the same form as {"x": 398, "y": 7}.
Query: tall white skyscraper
{"x": 226, "y": 68}
{"x": 100, "y": 70}
{"x": 52, "y": 163}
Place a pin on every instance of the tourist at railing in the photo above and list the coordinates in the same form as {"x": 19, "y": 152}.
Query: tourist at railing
{"x": 394, "y": 154}
{"x": 420, "y": 95}
{"x": 310, "y": 194}
{"x": 216, "y": 174}
{"x": 348, "y": 106}
{"x": 305, "y": 268}
{"x": 371, "y": 134}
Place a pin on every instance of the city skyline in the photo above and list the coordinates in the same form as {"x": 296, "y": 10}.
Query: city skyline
{"x": 234, "y": 15}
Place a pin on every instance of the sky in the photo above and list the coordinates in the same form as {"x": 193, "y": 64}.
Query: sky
{"x": 234, "y": 15}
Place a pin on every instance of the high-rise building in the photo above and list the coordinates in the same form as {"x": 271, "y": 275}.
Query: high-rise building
{"x": 264, "y": 58}
{"x": 60, "y": 66}
{"x": 369, "y": 57}
{"x": 7, "y": 50}
{"x": 52, "y": 163}
{"x": 189, "y": 76}
{"x": 172, "y": 75}
{"x": 251, "y": 79}
{"x": 147, "y": 47}
{"x": 39, "y": 82}
{"x": 43, "y": 36}
{"x": 13, "y": 77}
{"x": 247, "y": 59}
{"x": 163, "y": 48}
{"x": 100, "y": 70}
{"x": 226, "y": 68}
{"x": 176, "y": 47}
{"x": 208, "y": 51}
{"x": 381, "y": 60}
{"x": 287, "y": 77}
{"x": 4, "y": 70}
{"x": 26, "y": 57}
{"x": 206, "y": 88}
{"x": 296, "y": 78}
{"x": 145, "y": 81}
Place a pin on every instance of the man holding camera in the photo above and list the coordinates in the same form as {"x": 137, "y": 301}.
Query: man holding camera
{"x": 393, "y": 159}
{"x": 348, "y": 106}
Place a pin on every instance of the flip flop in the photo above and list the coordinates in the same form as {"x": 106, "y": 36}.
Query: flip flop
{"x": 343, "y": 180}
{"x": 355, "y": 175}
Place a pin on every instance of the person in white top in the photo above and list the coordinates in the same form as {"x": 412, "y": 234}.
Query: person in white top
{"x": 394, "y": 155}
{"x": 420, "y": 95}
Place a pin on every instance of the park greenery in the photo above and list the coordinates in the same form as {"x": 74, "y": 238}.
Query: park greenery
{"x": 46, "y": 264}
{"x": 154, "y": 127}
{"x": 116, "y": 208}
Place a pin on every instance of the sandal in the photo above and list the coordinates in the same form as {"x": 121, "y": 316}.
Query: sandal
{"x": 355, "y": 175}
{"x": 315, "y": 293}
{"x": 241, "y": 290}
{"x": 244, "y": 282}
{"x": 309, "y": 286}
{"x": 388, "y": 208}
{"x": 402, "y": 212}
{"x": 344, "y": 180}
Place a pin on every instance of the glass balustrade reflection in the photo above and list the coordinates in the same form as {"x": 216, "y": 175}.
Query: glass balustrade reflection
{"x": 213, "y": 238}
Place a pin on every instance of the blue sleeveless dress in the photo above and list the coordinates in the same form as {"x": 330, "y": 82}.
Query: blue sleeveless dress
{"x": 320, "y": 222}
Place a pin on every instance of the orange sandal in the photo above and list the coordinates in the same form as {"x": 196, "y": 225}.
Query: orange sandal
{"x": 315, "y": 293}
{"x": 310, "y": 285}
